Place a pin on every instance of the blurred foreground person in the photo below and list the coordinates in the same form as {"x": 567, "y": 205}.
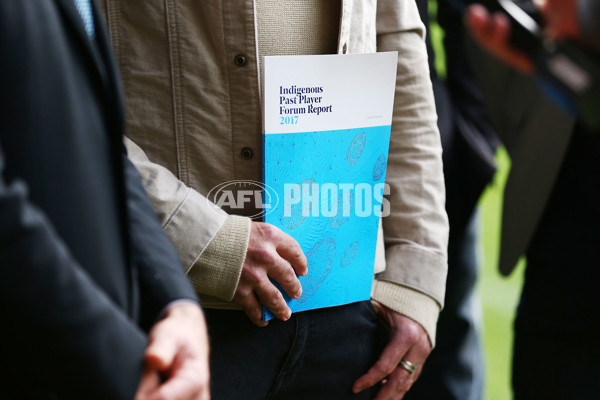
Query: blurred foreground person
{"x": 551, "y": 215}
{"x": 84, "y": 266}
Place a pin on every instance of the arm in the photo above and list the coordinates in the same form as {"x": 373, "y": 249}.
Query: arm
{"x": 162, "y": 280}
{"x": 231, "y": 257}
{"x": 191, "y": 221}
{"x": 227, "y": 257}
{"x": 178, "y": 342}
{"x": 56, "y": 320}
{"x": 416, "y": 232}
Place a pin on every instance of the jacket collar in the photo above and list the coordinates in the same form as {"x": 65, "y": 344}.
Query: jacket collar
{"x": 98, "y": 51}
{"x": 75, "y": 22}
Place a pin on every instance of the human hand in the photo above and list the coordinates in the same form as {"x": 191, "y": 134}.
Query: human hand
{"x": 492, "y": 31}
{"x": 271, "y": 254}
{"x": 178, "y": 352}
{"x": 560, "y": 18}
{"x": 408, "y": 341}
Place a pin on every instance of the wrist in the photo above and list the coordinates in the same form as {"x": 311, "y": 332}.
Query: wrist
{"x": 183, "y": 308}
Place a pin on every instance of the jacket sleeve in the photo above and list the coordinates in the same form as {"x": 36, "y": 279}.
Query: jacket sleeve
{"x": 160, "y": 274}
{"x": 416, "y": 231}
{"x": 211, "y": 244}
{"x": 56, "y": 321}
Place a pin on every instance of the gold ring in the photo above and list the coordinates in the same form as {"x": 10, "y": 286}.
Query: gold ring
{"x": 408, "y": 366}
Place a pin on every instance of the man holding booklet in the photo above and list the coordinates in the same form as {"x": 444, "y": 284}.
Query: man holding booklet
{"x": 192, "y": 74}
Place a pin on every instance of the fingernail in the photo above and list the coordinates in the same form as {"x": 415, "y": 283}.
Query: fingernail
{"x": 298, "y": 294}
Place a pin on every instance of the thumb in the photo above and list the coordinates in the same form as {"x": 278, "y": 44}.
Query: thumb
{"x": 149, "y": 382}
{"x": 160, "y": 354}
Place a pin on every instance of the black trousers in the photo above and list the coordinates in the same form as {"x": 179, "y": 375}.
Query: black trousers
{"x": 315, "y": 355}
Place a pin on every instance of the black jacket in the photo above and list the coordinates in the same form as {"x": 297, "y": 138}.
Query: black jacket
{"x": 468, "y": 139}
{"x": 84, "y": 265}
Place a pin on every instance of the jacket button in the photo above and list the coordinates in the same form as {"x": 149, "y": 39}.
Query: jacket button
{"x": 240, "y": 60}
{"x": 247, "y": 153}
{"x": 345, "y": 48}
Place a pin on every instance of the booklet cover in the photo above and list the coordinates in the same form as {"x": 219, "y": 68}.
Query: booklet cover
{"x": 327, "y": 122}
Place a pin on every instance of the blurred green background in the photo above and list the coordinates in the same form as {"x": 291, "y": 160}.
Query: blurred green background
{"x": 499, "y": 295}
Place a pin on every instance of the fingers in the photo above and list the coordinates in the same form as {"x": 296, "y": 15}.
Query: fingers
{"x": 561, "y": 19}
{"x": 272, "y": 254}
{"x": 255, "y": 283}
{"x": 179, "y": 350}
{"x": 182, "y": 387}
{"x": 149, "y": 383}
{"x": 284, "y": 275}
{"x": 161, "y": 351}
{"x": 267, "y": 263}
{"x": 493, "y": 32}
{"x": 489, "y": 30}
{"x": 179, "y": 389}
{"x": 272, "y": 298}
{"x": 408, "y": 341}
{"x": 289, "y": 249}
{"x": 400, "y": 380}
{"x": 246, "y": 299}
{"x": 477, "y": 18}
{"x": 385, "y": 365}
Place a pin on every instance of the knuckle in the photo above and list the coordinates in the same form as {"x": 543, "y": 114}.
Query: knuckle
{"x": 289, "y": 279}
{"x": 275, "y": 306}
{"x": 270, "y": 232}
{"x": 264, "y": 255}
{"x": 385, "y": 367}
{"x": 242, "y": 292}
{"x": 252, "y": 276}
{"x": 300, "y": 262}
{"x": 275, "y": 302}
{"x": 296, "y": 252}
{"x": 267, "y": 292}
{"x": 412, "y": 334}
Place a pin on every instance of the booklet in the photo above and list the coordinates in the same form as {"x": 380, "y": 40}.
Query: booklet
{"x": 327, "y": 122}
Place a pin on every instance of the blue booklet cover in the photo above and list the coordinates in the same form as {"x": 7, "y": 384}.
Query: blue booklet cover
{"x": 327, "y": 122}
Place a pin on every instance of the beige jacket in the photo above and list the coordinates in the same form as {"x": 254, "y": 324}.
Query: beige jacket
{"x": 191, "y": 79}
